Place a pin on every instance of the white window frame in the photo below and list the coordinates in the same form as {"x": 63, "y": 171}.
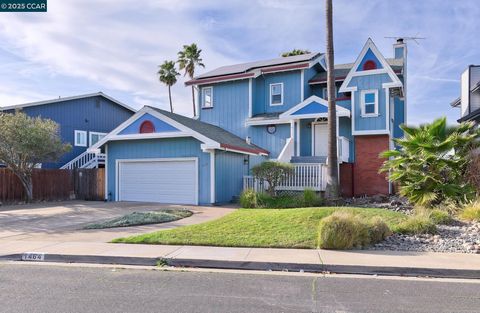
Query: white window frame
{"x": 281, "y": 94}
{"x": 203, "y": 97}
{"x": 325, "y": 93}
{"x": 362, "y": 101}
{"x": 94, "y": 133}
{"x": 80, "y": 144}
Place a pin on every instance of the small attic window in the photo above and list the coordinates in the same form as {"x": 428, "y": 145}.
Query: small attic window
{"x": 147, "y": 127}
{"x": 369, "y": 65}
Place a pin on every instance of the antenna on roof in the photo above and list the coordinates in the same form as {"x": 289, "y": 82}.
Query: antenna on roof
{"x": 401, "y": 39}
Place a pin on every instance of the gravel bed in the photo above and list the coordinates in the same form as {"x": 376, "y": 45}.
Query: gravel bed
{"x": 459, "y": 237}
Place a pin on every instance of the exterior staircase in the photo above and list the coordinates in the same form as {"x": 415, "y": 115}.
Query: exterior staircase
{"x": 86, "y": 160}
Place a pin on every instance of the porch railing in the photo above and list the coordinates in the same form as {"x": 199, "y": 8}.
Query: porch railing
{"x": 304, "y": 176}
{"x": 287, "y": 151}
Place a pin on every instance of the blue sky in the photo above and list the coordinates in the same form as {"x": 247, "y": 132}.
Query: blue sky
{"x": 85, "y": 46}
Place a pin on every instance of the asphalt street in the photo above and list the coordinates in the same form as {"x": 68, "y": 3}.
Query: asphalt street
{"x": 37, "y": 288}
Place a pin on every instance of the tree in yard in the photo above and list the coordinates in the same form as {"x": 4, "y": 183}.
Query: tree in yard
{"x": 432, "y": 161}
{"x": 188, "y": 59}
{"x": 272, "y": 172}
{"x": 295, "y": 52}
{"x": 332, "y": 169}
{"x": 167, "y": 74}
{"x": 26, "y": 142}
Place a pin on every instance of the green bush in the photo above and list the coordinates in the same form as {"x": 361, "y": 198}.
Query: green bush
{"x": 378, "y": 230}
{"x": 342, "y": 231}
{"x": 417, "y": 224}
{"x": 424, "y": 167}
{"x": 471, "y": 212}
{"x": 272, "y": 172}
{"x": 440, "y": 217}
{"x": 311, "y": 199}
{"x": 248, "y": 199}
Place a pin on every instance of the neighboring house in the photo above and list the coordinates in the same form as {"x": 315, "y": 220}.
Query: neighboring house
{"x": 469, "y": 100}
{"x": 252, "y": 112}
{"x": 83, "y": 121}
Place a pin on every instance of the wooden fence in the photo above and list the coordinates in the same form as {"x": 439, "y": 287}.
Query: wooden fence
{"x": 53, "y": 184}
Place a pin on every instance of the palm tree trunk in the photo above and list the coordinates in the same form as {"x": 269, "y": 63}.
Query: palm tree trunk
{"x": 193, "y": 101}
{"x": 170, "y": 98}
{"x": 332, "y": 171}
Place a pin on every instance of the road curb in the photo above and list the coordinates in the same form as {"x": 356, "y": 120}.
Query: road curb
{"x": 259, "y": 266}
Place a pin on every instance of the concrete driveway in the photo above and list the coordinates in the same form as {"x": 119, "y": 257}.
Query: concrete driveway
{"x": 63, "y": 221}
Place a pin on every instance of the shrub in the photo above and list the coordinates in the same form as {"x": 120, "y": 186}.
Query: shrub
{"x": 471, "y": 212}
{"x": 311, "y": 199}
{"x": 440, "y": 217}
{"x": 342, "y": 231}
{"x": 272, "y": 172}
{"x": 378, "y": 230}
{"x": 425, "y": 167}
{"x": 248, "y": 199}
{"x": 417, "y": 224}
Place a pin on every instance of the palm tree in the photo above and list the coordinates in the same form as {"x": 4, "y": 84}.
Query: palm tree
{"x": 167, "y": 74}
{"x": 295, "y": 52}
{"x": 188, "y": 59}
{"x": 332, "y": 171}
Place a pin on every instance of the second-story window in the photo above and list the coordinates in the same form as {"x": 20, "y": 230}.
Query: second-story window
{"x": 207, "y": 94}
{"x": 369, "y": 100}
{"x": 276, "y": 94}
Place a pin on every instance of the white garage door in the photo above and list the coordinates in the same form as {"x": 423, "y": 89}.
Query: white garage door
{"x": 167, "y": 181}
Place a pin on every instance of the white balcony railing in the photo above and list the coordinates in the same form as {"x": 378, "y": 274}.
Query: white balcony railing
{"x": 304, "y": 176}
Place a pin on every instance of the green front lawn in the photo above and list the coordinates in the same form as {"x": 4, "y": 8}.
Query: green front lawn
{"x": 272, "y": 228}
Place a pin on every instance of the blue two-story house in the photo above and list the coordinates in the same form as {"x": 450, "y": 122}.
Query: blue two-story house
{"x": 251, "y": 112}
{"x": 83, "y": 120}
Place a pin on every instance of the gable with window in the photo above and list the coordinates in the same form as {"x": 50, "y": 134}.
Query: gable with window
{"x": 207, "y": 97}
{"x": 369, "y": 103}
{"x": 276, "y": 94}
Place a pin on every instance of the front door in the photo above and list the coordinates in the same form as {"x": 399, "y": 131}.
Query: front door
{"x": 320, "y": 139}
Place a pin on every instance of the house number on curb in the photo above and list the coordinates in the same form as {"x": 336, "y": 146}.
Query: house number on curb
{"x": 33, "y": 256}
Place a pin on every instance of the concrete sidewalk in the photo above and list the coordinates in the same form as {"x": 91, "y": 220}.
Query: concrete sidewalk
{"x": 352, "y": 262}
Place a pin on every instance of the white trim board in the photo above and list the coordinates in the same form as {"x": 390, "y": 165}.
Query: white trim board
{"x": 341, "y": 111}
{"x": 386, "y": 69}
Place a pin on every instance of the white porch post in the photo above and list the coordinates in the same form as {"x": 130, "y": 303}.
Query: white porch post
{"x": 292, "y": 132}
{"x": 298, "y": 137}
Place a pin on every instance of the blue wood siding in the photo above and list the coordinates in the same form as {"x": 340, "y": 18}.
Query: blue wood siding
{"x": 230, "y": 107}
{"x": 95, "y": 114}
{"x": 312, "y": 108}
{"x": 160, "y": 126}
{"x": 365, "y": 83}
{"x": 308, "y": 75}
{"x": 398, "y": 117}
{"x": 291, "y": 91}
{"x": 273, "y": 143}
{"x": 229, "y": 171}
{"x": 160, "y": 148}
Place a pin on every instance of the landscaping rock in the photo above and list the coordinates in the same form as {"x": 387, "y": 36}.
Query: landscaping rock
{"x": 394, "y": 203}
{"x": 459, "y": 237}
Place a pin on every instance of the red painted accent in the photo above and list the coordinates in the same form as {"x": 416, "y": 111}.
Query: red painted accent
{"x": 369, "y": 65}
{"x": 342, "y": 98}
{"x": 285, "y": 67}
{"x": 147, "y": 127}
{"x": 218, "y": 79}
{"x": 367, "y": 180}
{"x": 253, "y": 150}
{"x": 346, "y": 179}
